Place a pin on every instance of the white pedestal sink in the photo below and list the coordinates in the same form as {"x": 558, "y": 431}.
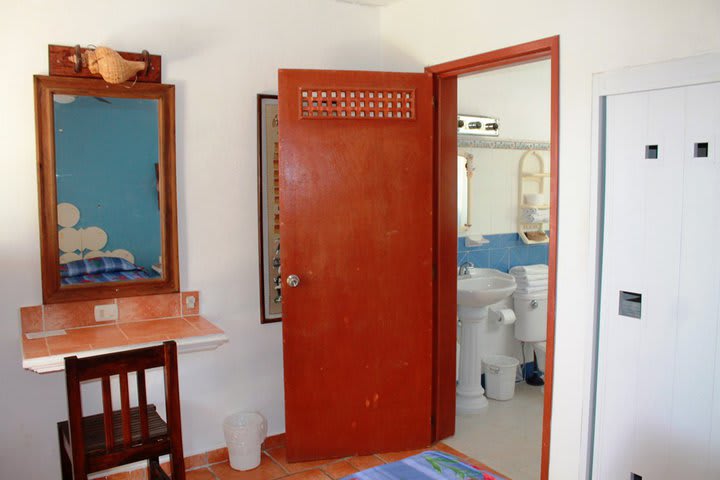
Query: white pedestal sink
{"x": 475, "y": 293}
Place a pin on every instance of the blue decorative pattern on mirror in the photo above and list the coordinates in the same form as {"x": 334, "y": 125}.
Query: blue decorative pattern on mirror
{"x": 106, "y": 152}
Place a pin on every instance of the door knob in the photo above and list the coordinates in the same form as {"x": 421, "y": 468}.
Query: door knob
{"x": 293, "y": 280}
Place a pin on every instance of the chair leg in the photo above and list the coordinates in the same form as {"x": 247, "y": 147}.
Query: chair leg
{"x": 155, "y": 471}
{"x": 178, "y": 464}
{"x": 65, "y": 463}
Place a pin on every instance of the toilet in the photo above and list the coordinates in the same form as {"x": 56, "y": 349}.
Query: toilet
{"x": 531, "y": 324}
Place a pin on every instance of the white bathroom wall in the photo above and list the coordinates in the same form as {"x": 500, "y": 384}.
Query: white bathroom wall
{"x": 495, "y": 188}
{"x": 594, "y": 37}
{"x": 519, "y": 96}
{"x": 220, "y": 54}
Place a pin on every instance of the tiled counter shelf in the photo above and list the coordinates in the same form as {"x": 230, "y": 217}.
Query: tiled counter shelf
{"x": 52, "y": 332}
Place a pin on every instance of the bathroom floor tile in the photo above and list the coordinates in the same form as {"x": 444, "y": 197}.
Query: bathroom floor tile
{"x": 507, "y": 435}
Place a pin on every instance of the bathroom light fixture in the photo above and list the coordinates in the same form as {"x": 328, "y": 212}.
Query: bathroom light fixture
{"x": 478, "y": 125}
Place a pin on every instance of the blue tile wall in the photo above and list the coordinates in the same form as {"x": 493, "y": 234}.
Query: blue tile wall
{"x": 504, "y": 251}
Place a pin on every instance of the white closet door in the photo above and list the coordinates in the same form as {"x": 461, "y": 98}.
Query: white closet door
{"x": 643, "y": 207}
{"x": 694, "y": 381}
{"x": 658, "y": 401}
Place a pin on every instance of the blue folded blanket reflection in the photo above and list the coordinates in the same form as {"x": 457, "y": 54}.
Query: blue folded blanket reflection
{"x": 431, "y": 465}
{"x": 101, "y": 269}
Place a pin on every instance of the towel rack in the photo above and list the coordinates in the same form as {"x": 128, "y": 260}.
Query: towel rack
{"x": 531, "y": 233}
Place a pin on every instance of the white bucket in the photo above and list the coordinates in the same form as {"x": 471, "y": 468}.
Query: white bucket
{"x": 244, "y": 434}
{"x": 500, "y": 376}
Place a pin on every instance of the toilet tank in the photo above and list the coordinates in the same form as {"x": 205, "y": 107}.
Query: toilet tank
{"x": 531, "y": 313}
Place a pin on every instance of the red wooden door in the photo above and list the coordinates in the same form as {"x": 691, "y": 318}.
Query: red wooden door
{"x": 356, "y": 222}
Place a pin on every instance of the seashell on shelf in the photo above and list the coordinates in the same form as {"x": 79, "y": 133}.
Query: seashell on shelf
{"x": 111, "y": 66}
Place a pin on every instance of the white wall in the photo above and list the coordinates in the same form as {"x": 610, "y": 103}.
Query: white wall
{"x": 220, "y": 55}
{"x": 519, "y": 96}
{"x": 594, "y": 37}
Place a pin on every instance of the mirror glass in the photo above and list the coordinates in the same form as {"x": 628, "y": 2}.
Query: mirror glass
{"x": 107, "y": 178}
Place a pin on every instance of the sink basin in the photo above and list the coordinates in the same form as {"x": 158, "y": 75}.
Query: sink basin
{"x": 484, "y": 287}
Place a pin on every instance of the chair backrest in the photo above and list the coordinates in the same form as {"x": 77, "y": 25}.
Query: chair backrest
{"x": 103, "y": 367}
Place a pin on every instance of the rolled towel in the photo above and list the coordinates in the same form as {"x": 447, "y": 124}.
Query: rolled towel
{"x": 530, "y": 289}
{"x": 531, "y": 277}
{"x": 535, "y": 215}
{"x": 535, "y": 283}
{"x": 522, "y": 270}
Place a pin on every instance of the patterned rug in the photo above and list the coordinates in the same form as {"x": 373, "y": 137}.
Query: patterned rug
{"x": 429, "y": 465}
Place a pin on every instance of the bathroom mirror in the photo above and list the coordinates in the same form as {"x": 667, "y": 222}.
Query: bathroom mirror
{"x": 106, "y": 177}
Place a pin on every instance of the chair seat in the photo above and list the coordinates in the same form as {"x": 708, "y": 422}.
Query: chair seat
{"x": 94, "y": 429}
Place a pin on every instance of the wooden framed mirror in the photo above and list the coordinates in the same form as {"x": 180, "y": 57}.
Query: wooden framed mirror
{"x": 106, "y": 186}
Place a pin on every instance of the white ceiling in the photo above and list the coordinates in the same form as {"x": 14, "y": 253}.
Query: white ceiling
{"x": 374, "y": 3}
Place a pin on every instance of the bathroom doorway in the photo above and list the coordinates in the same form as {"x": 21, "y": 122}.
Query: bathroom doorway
{"x": 497, "y": 187}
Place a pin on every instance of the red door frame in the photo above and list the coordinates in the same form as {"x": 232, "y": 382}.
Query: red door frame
{"x": 446, "y": 75}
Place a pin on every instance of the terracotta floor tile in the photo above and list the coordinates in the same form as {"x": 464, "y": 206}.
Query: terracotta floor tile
{"x": 148, "y": 307}
{"x": 202, "y": 325}
{"x": 202, "y": 474}
{"x": 31, "y": 319}
{"x": 194, "y": 461}
{"x": 364, "y": 462}
{"x": 140, "y": 474}
{"x": 339, "y": 469}
{"x": 34, "y": 348}
{"x": 218, "y": 455}
{"x": 397, "y": 456}
{"x": 268, "y": 470}
{"x": 279, "y": 454}
{"x": 448, "y": 449}
{"x": 274, "y": 441}
{"x": 309, "y": 475}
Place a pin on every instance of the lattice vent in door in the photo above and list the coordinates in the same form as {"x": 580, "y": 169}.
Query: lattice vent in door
{"x": 353, "y": 103}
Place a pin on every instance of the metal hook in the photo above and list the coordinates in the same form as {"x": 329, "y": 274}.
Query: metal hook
{"x": 146, "y": 58}
{"x": 78, "y": 59}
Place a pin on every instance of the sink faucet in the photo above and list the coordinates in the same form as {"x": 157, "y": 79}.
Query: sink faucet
{"x": 465, "y": 268}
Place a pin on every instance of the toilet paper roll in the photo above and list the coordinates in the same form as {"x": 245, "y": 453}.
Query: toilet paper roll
{"x": 505, "y": 316}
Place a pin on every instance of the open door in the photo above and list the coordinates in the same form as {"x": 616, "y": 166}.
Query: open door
{"x": 356, "y": 222}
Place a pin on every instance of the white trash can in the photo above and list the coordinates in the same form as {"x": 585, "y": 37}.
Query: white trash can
{"x": 244, "y": 435}
{"x": 500, "y": 376}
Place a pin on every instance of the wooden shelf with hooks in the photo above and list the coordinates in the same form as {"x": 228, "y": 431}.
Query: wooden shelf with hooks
{"x": 60, "y": 60}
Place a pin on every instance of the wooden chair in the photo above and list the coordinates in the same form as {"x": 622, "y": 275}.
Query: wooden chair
{"x": 114, "y": 438}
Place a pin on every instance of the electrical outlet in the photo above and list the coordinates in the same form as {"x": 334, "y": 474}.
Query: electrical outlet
{"x": 106, "y": 313}
{"x": 190, "y": 302}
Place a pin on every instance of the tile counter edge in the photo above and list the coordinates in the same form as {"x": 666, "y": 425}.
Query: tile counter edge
{"x": 56, "y": 363}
